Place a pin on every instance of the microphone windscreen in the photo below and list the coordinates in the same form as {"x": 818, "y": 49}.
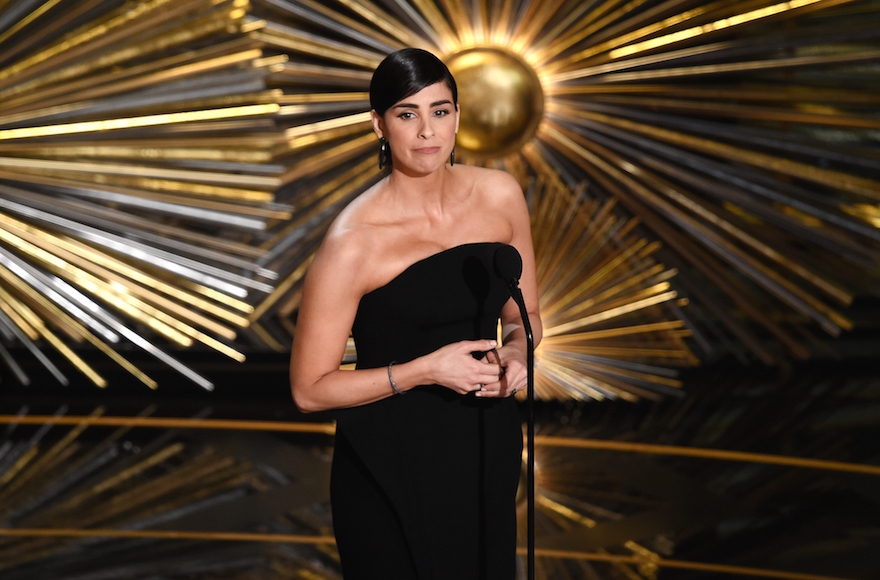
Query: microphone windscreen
{"x": 508, "y": 263}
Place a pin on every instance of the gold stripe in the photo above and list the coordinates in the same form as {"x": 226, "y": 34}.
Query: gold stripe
{"x": 41, "y": 328}
{"x": 681, "y": 564}
{"x": 46, "y": 458}
{"x": 702, "y": 453}
{"x": 330, "y": 540}
{"x": 721, "y": 24}
{"x": 65, "y": 319}
{"x": 610, "y": 313}
{"x": 142, "y": 171}
{"x": 850, "y": 183}
{"x": 92, "y": 32}
{"x": 148, "y": 74}
{"x": 143, "y": 121}
{"x": 380, "y": 18}
{"x": 540, "y": 440}
{"x": 30, "y": 18}
{"x": 74, "y": 260}
{"x": 171, "y": 423}
{"x": 612, "y": 332}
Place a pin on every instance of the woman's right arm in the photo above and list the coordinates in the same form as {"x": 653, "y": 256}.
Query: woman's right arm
{"x": 331, "y": 293}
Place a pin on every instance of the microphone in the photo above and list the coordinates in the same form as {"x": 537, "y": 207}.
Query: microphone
{"x": 508, "y": 264}
{"x": 508, "y": 267}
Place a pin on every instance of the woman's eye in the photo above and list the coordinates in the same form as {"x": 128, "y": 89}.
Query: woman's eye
{"x": 441, "y": 112}
{"x": 406, "y": 115}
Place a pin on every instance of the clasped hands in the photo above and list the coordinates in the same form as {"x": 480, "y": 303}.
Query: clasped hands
{"x": 477, "y": 366}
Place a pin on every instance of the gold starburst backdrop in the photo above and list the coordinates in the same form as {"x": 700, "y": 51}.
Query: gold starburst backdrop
{"x": 702, "y": 178}
{"x": 168, "y": 168}
{"x": 60, "y": 490}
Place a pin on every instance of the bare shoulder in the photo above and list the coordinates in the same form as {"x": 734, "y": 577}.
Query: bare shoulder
{"x": 343, "y": 246}
{"x": 498, "y": 190}
{"x": 354, "y": 216}
{"x": 485, "y": 178}
{"x": 347, "y": 244}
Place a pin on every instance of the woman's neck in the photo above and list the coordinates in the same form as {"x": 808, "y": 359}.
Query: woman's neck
{"x": 425, "y": 193}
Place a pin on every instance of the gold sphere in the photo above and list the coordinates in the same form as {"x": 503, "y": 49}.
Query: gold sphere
{"x": 501, "y": 101}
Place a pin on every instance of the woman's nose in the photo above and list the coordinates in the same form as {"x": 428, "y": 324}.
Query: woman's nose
{"x": 426, "y": 130}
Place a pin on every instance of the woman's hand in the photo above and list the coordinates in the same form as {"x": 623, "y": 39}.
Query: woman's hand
{"x": 455, "y": 367}
{"x": 513, "y": 376}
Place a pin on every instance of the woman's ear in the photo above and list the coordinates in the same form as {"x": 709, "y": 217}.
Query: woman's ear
{"x": 378, "y": 123}
{"x": 457, "y": 117}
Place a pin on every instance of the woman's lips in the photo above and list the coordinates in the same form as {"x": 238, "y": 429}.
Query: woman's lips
{"x": 427, "y": 150}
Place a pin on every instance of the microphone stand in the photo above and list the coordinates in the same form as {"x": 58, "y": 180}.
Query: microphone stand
{"x": 513, "y": 285}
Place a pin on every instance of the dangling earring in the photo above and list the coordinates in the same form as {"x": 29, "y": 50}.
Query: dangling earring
{"x": 452, "y": 154}
{"x": 384, "y": 153}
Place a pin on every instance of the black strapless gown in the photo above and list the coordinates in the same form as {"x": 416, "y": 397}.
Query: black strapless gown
{"x": 424, "y": 484}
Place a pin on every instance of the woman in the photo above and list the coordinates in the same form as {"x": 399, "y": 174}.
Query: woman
{"x": 428, "y": 442}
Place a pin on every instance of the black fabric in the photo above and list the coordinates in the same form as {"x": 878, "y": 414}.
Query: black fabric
{"x": 424, "y": 484}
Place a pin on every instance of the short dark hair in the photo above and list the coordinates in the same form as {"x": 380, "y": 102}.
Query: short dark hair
{"x": 405, "y": 72}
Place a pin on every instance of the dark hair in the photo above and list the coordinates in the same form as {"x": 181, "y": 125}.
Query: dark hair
{"x": 404, "y": 73}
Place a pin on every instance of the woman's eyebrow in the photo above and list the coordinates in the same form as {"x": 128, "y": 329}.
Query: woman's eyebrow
{"x": 414, "y": 106}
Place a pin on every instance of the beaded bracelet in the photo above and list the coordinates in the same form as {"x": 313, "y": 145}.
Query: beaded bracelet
{"x": 391, "y": 379}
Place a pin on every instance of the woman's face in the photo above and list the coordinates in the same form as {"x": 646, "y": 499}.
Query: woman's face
{"x": 420, "y": 129}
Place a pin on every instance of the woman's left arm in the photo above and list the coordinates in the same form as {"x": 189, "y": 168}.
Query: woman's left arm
{"x": 512, "y": 354}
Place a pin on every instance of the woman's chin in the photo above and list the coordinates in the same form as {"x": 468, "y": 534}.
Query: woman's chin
{"x": 421, "y": 167}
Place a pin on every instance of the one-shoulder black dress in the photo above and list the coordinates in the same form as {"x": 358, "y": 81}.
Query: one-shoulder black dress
{"x": 424, "y": 484}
